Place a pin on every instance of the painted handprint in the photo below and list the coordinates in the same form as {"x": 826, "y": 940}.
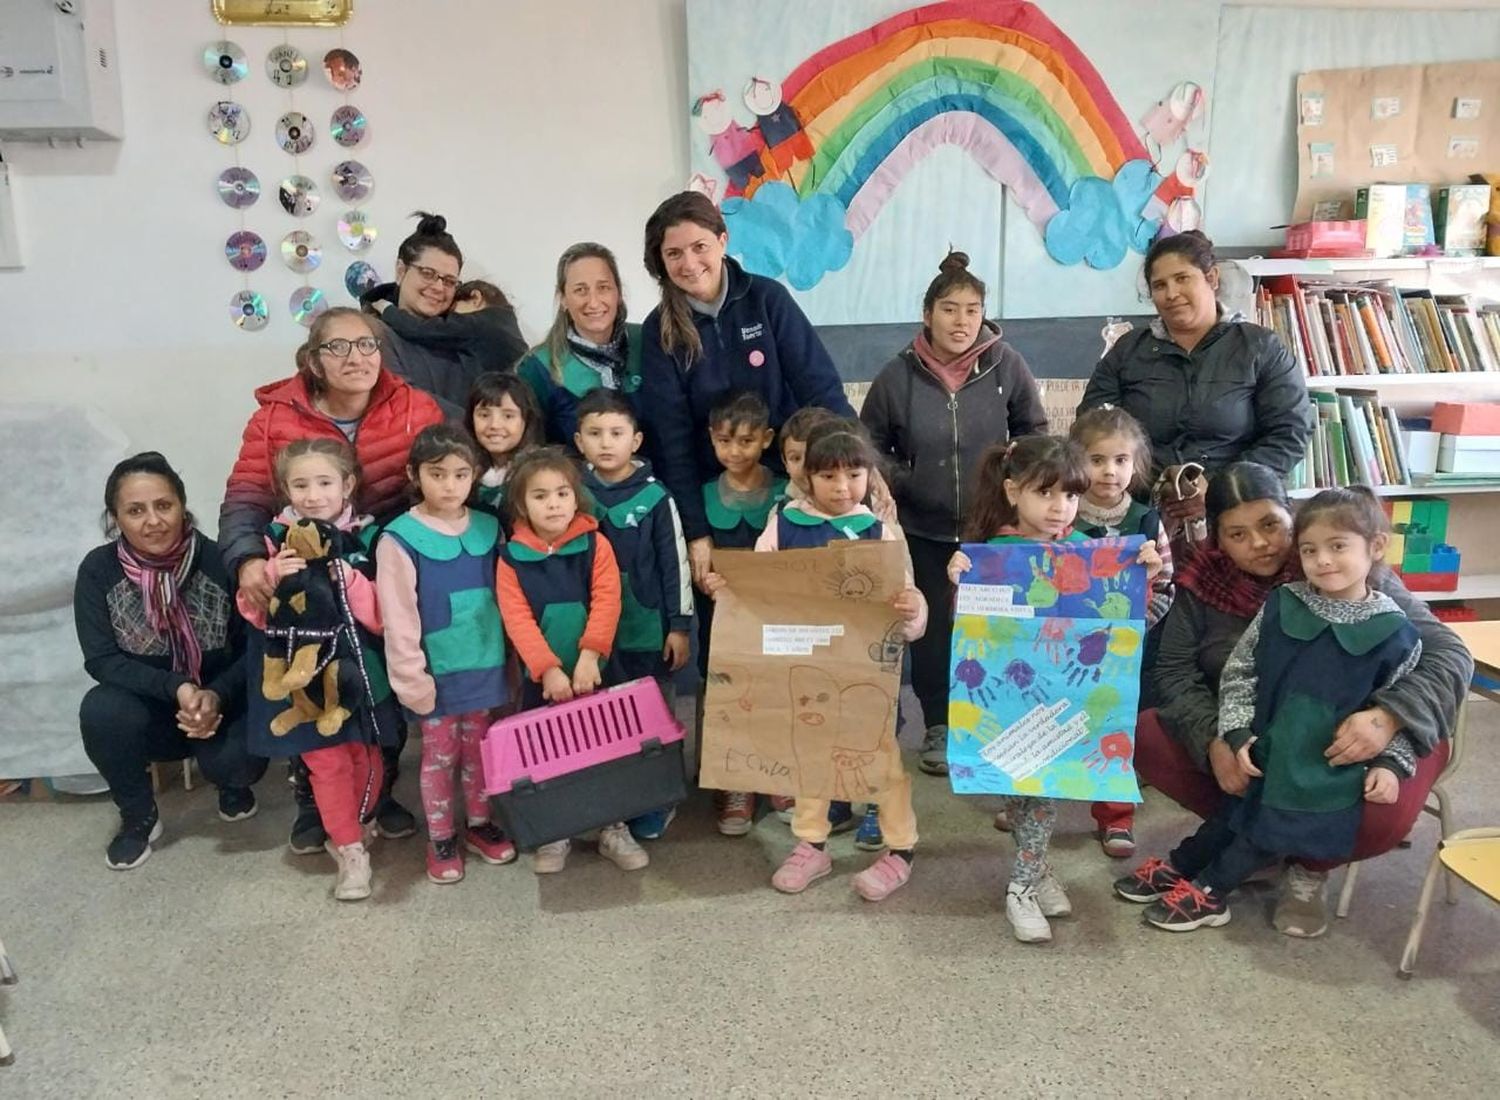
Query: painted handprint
{"x": 1092, "y": 648}
{"x": 976, "y": 636}
{"x": 1022, "y": 676}
{"x": 1065, "y": 574}
{"x": 1052, "y": 639}
{"x": 1110, "y": 560}
{"x": 971, "y": 675}
{"x": 968, "y": 722}
{"x": 1111, "y": 747}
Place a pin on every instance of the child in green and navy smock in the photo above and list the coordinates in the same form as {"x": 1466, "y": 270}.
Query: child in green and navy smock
{"x": 1028, "y": 491}
{"x": 639, "y": 518}
{"x": 837, "y": 467}
{"x": 559, "y": 589}
{"x": 445, "y": 647}
{"x": 504, "y": 418}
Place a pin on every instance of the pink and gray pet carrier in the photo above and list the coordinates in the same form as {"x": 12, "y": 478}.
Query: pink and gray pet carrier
{"x": 558, "y": 771}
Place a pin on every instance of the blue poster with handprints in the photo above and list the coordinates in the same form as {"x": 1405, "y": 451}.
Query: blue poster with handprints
{"x": 1046, "y": 670}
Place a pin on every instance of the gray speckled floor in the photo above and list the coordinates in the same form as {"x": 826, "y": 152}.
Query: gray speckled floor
{"x": 223, "y": 968}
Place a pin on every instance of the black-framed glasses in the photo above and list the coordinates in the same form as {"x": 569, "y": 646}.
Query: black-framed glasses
{"x": 432, "y": 275}
{"x": 340, "y": 348}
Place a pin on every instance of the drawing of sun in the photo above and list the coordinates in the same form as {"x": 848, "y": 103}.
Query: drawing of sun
{"x": 851, "y": 584}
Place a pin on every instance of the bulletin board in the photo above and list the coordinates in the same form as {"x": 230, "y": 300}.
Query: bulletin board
{"x": 1393, "y": 124}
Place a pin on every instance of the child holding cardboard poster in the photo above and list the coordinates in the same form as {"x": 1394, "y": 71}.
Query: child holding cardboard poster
{"x": 1028, "y": 491}
{"x": 837, "y": 465}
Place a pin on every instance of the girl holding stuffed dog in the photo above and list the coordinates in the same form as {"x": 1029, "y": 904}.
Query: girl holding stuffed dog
{"x": 316, "y": 478}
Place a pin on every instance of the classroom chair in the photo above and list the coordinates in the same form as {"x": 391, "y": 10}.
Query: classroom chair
{"x": 1443, "y": 810}
{"x": 187, "y": 775}
{"x": 1472, "y": 855}
{"x": 7, "y": 977}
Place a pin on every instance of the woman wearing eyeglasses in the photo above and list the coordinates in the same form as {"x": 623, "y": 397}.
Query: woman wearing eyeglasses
{"x": 433, "y": 346}
{"x": 340, "y": 391}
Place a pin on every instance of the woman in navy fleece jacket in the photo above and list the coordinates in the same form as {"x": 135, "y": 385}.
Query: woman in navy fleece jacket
{"x": 717, "y": 329}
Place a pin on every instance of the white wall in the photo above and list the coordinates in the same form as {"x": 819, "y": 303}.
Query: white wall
{"x": 530, "y": 124}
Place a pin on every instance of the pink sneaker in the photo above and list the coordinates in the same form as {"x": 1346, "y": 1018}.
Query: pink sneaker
{"x": 445, "y": 861}
{"x": 801, "y": 869}
{"x": 882, "y": 878}
{"x": 489, "y": 843}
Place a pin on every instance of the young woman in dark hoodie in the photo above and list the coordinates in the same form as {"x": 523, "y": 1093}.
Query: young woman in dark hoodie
{"x": 933, "y": 409}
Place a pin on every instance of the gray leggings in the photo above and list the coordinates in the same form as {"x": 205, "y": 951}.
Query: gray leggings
{"x": 1031, "y": 823}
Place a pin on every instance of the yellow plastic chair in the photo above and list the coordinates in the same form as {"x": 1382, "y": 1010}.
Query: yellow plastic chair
{"x": 1443, "y": 810}
{"x": 1472, "y": 855}
{"x": 7, "y": 977}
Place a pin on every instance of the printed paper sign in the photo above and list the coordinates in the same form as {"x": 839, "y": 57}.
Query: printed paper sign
{"x": 1311, "y": 108}
{"x": 1320, "y": 153}
{"x": 796, "y": 640}
{"x": 1046, "y": 705}
{"x": 1382, "y": 156}
{"x": 1385, "y": 106}
{"x": 990, "y": 599}
{"x": 1466, "y": 108}
{"x": 1463, "y": 148}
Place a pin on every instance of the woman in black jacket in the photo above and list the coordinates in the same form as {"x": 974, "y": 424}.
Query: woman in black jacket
{"x": 953, "y": 391}
{"x": 1208, "y": 387}
{"x": 158, "y": 631}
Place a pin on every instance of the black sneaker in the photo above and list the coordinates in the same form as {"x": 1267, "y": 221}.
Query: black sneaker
{"x": 1187, "y": 906}
{"x": 393, "y": 819}
{"x": 131, "y": 846}
{"x": 308, "y": 835}
{"x": 236, "y": 803}
{"x": 1151, "y": 880}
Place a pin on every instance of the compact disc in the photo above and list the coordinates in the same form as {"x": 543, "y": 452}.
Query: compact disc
{"x": 244, "y": 250}
{"x": 238, "y": 187}
{"x": 228, "y": 122}
{"x": 294, "y": 133}
{"x": 247, "y": 309}
{"x": 286, "y": 66}
{"x": 306, "y": 303}
{"x": 225, "y": 62}
{"x": 352, "y": 181}
{"x": 300, "y": 252}
{"x": 356, "y": 233}
{"x": 359, "y": 278}
{"x": 347, "y": 126}
{"x": 299, "y": 196}
{"x": 342, "y": 69}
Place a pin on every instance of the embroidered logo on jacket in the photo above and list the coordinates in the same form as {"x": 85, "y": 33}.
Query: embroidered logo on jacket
{"x": 752, "y": 332}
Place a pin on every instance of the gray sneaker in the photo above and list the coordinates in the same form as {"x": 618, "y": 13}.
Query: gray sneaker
{"x": 933, "y": 759}
{"x": 1301, "y": 910}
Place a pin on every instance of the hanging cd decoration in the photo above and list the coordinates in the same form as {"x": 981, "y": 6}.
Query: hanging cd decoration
{"x": 342, "y": 69}
{"x": 352, "y": 181}
{"x": 359, "y": 278}
{"x": 286, "y": 66}
{"x": 306, "y": 303}
{"x": 356, "y": 233}
{"x": 299, "y": 196}
{"x": 228, "y": 122}
{"x": 225, "y": 62}
{"x": 245, "y": 251}
{"x": 294, "y": 133}
{"x": 238, "y": 187}
{"x": 347, "y": 126}
{"x": 247, "y": 309}
{"x": 300, "y": 252}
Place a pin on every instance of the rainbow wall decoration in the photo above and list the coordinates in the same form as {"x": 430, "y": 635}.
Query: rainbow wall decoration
{"x": 996, "y": 78}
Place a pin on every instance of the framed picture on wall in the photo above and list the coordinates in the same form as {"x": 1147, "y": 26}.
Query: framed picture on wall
{"x": 283, "y": 13}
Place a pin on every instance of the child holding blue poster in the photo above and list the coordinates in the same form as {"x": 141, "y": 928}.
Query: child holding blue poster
{"x": 1028, "y": 491}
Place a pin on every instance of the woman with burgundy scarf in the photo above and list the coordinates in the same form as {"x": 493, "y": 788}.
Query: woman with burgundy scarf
{"x": 158, "y": 631}
{"x": 953, "y": 391}
{"x": 1220, "y": 587}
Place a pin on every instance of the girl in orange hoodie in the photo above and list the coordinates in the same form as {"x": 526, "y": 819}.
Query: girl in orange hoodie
{"x": 559, "y": 589}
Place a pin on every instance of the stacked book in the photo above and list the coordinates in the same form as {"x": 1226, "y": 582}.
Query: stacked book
{"x": 1357, "y": 441}
{"x": 1343, "y": 329}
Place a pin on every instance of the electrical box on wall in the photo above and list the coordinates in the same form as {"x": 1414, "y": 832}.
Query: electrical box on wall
{"x": 58, "y": 79}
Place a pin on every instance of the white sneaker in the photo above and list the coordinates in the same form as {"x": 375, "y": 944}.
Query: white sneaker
{"x": 620, "y": 848}
{"x": 1025, "y": 915}
{"x": 354, "y": 873}
{"x": 1051, "y": 898}
{"x": 551, "y": 858}
{"x": 1302, "y": 910}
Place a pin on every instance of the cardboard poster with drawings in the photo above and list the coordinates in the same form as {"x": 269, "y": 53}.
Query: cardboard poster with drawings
{"x": 804, "y": 672}
{"x": 1046, "y": 669}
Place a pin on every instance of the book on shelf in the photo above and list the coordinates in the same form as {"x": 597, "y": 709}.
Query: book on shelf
{"x": 1336, "y": 329}
{"x": 1356, "y": 441}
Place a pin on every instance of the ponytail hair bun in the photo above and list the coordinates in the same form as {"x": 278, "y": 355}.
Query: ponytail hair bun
{"x": 954, "y": 261}
{"x": 430, "y": 225}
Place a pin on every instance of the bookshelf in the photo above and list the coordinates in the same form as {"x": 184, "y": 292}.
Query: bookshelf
{"x": 1409, "y": 376}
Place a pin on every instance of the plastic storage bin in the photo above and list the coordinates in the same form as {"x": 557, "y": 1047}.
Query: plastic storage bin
{"x": 558, "y": 771}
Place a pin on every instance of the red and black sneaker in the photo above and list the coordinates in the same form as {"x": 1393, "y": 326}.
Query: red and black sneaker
{"x": 1149, "y": 881}
{"x": 1186, "y": 907}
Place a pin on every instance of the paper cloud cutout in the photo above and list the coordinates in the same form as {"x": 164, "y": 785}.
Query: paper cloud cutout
{"x": 1102, "y": 219}
{"x": 774, "y": 233}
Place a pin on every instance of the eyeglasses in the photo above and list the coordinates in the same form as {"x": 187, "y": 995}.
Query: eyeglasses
{"x": 430, "y": 275}
{"x": 340, "y": 348}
